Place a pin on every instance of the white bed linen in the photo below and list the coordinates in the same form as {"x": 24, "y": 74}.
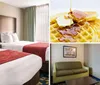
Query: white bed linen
{"x": 19, "y": 71}
{"x": 18, "y": 46}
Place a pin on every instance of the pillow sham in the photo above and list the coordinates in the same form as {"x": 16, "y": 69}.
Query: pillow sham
{"x": 6, "y": 38}
{"x": 15, "y": 37}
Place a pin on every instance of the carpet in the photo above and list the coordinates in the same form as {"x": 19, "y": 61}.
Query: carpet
{"x": 44, "y": 80}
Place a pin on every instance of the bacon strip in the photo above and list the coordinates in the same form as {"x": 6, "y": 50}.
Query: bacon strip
{"x": 70, "y": 38}
{"x": 71, "y": 31}
{"x": 67, "y": 37}
{"x": 79, "y": 14}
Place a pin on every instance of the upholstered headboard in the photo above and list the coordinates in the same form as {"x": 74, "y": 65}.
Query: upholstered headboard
{"x": 7, "y": 24}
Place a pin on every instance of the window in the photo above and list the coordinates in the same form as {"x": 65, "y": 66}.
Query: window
{"x": 42, "y": 23}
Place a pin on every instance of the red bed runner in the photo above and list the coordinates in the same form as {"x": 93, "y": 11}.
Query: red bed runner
{"x": 37, "y": 48}
{"x": 9, "y": 55}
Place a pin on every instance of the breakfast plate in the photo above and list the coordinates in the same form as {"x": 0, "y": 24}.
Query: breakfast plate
{"x": 75, "y": 26}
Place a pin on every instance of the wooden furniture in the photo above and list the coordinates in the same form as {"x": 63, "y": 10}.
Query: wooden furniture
{"x": 34, "y": 80}
{"x": 7, "y": 24}
{"x": 82, "y": 81}
{"x": 45, "y": 67}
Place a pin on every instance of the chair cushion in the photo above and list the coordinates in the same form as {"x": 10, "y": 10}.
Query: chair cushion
{"x": 76, "y": 65}
{"x": 68, "y": 65}
{"x": 77, "y": 71}
{"x": 70, "y": 72}
{"x": 64, "y": 73}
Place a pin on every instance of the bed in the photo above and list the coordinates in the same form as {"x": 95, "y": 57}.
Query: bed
{"x": 8, "y": 24}
{"x": 19, "y": 45}
{"x": 20, "y": 70}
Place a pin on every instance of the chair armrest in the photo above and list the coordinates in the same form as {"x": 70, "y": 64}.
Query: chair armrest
{"x": 87, "y": 68}
{"x": 54, "y": 70}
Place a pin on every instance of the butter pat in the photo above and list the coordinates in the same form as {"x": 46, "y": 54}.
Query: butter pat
{"x": 63, "y": 22}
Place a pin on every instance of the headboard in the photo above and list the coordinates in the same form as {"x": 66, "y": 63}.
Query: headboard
{"x": 7, "y": 24}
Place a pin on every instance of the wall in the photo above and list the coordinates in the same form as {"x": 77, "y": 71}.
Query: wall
{"x": 57, "y": 53}
{"x": 92, "y": 58}
{"x": 9, "y": 10}
{"x": 64, "y": 5}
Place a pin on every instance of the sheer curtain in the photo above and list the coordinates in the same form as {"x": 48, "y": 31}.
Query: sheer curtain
{"x": 42, "y": 23}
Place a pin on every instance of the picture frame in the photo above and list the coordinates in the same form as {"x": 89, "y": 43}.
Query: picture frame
{"x": 69, "y": 52}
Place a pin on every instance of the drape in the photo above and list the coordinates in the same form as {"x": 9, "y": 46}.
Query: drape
{"x": 36, "y": 26}
{"x": 30, "y": 23}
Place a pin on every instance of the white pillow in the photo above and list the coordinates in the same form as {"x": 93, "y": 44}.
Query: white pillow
{"x": 15, "y": 37}
{"x": 6, "y": 38}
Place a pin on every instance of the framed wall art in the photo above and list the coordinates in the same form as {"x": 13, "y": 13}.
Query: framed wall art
{"x": 69, "y": 52}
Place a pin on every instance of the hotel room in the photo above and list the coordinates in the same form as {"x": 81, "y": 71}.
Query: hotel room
{"x": 24, "y": 42}
{"x": 75, "y": 64}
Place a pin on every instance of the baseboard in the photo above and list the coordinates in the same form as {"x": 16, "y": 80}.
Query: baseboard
{"x": 98, "y": 79}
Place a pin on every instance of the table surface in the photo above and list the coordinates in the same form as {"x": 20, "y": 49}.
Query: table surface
{"x": 82, "y": 81}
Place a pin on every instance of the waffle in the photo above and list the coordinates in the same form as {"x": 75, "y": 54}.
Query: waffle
{"x": 89, "y": 32}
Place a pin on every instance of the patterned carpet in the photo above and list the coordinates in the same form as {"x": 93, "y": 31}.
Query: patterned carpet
{"x": 44, "y": 80}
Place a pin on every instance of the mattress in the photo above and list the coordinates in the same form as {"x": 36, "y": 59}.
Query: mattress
{"x": 18, "y": 46}
{"x": 19, "y": 71}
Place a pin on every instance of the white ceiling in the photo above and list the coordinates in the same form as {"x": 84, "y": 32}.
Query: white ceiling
{"x": 25, "y": 3}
